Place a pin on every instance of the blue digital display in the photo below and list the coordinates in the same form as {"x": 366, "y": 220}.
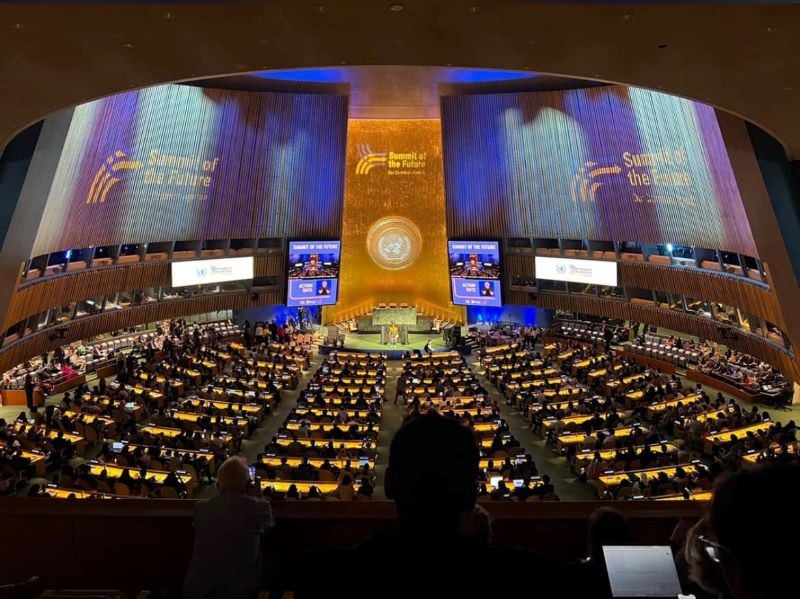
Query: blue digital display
{"x": 475, "y": 273}
{"x": 313, "y": 273}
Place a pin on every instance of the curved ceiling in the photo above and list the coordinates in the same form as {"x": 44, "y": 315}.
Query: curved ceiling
{"x": 396, "y": 91}
{"x": 742, "y": 58}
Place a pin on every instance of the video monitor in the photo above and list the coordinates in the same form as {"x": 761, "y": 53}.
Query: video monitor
{"x": 313, "y": 273}
{"x": 475, "y": 272}
{"x": 206, "y": 272}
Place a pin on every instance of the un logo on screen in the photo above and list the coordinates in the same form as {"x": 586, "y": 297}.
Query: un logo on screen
{"x": 201, "y": 272}
{"x": 394, "y": 242}
{"x": 561, "y": 269}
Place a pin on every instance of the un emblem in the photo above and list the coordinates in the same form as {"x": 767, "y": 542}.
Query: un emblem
{"x": 394, "y": 242}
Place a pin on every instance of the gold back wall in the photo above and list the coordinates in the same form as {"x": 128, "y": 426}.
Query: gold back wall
{"x": 394, "y": 240}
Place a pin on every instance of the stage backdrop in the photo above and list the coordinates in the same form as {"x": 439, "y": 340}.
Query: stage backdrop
{"x": 178, "y": 162}
{"x": 394, "y": 245}
{"x": 606, "y": 163}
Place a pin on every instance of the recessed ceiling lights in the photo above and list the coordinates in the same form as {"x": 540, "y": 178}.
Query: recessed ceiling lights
{"x": 321, "y": 8}
{"x": 474, "y": 9}
{"x": 397, "y": 7}
{"x": 127, "y": 45}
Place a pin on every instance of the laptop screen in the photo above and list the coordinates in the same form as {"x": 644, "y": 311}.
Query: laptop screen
{"x": 641, "y": 571}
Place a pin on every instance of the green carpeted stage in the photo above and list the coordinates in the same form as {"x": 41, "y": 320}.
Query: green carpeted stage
{"x": 372, "y": 342}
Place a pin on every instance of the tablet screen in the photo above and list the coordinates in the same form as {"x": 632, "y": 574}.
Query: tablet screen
{"x": 641, "y": 571}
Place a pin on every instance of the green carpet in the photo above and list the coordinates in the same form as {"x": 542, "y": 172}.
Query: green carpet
{"x": 372, "y": 342}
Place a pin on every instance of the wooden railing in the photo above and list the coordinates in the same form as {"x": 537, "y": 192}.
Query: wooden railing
{"x": 99, "y": 544}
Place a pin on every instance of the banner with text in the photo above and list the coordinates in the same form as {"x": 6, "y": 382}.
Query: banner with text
{"x": 605, "y": 163}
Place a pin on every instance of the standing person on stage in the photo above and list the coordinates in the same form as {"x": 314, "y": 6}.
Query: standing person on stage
{"x": 428, "y": 349}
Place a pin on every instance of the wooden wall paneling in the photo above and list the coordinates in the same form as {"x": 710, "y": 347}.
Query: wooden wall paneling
{"x": 41, "y": 295}
{"x": 89, "y": 326}
{"x": 743, "y": 341}
{"x": 752, "y": 298}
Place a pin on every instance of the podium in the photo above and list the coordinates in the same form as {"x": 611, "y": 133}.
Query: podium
{"x": 402, "y": 335}
{"x": 400, "y": 317}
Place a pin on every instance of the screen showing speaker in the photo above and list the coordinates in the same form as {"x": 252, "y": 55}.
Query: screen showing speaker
{"x": 205, "y": 272}
{"x": 475, "y": 272}
{"x": 589, "y": 272}
{"x": 313, "y": 273}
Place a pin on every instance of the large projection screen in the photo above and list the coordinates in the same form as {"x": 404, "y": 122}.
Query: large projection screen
{"x": 604, "y": 163}
{"x": 179, "y": 162}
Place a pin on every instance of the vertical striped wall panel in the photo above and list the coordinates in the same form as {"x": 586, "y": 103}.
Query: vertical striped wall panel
{"x": 606, "y": 163}
{"x": 184, "y": 162}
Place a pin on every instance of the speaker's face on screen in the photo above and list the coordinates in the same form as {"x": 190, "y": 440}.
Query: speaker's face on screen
{"x": 473, "y": 261}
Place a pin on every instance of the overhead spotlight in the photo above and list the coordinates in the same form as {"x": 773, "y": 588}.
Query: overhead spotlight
{"x": 669, "y": 247}
{"x": 397, "y": 7}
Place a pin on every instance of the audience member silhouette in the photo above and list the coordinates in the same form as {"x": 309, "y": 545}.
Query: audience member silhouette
{"x": 432, "y": 478}
{"x": 739, "y": 549}
{"x": 226, "y": 558}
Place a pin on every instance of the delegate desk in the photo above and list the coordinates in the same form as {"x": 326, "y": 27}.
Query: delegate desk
{"x": 77, "y": 440}
{"x": 304, "y": 486}
{"x": 294, "y": 425}
{"x": 240, "y": 422}
{"x": 510, "y": 484}
{"x": 325, "y": 413}
{"x": 623, "y": 383}
{"x": 663, "y": 406}
{"x": 472, "y": 411}
{"x": 584, "y": 456}
{"x": 601, "y": 372}
{"x": 157, "y": 476}
{"x": 613, "y": 479}
{"x": 362, "y": 444}
{"x": 176, "y": 384}
{"x": 156, "y": 397}
{"x": 577, "y": 420}
{"x": 171, "y": 433}
{"x": 565, "y": 440}
{"x": 252, "y": 410}
{"x": 37, "y": 458}
{"x": 57, "y": 492}
{"x": 132, "y": 408}
{"x": 723, "y": 438}
{"x": 172, "y": 453}
{"x": 565, "y": 403}
{"x": 109, "y": 426}
{"x": 693, "y": 496}
{"x": 754, "y": 456}
{"x": 274, "y": 461}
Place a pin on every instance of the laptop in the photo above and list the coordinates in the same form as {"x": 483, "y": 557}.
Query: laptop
{"x": 641, "y": 571}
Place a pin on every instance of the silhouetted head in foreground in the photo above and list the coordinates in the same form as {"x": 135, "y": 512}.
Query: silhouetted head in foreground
{"x": 432, "y": 474}
{"x": 607, "y": 526}
{"x": 739, "y": 548}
